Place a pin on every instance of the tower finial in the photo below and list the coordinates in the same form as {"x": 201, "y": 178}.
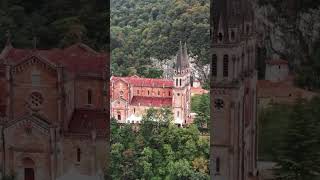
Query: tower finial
{"x": 8, "y": 36}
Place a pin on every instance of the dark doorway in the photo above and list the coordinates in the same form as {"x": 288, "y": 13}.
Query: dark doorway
{"x": 29, "y": 174}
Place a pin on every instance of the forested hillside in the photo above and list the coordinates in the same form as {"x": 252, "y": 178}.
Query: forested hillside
{"x": 141, "y": 30}
{"x": 54, "y": 23}
{"x": 160, "y": 150}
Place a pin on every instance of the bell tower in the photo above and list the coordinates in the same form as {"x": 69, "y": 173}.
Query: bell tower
{"x": 181, "y": 91}
{"x": 233, "y": 146}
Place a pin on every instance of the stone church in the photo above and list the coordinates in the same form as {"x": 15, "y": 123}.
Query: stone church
{"x": 233, "y": 146}
{"x": 53, "y": 114}
{"x": 132, "y": 96}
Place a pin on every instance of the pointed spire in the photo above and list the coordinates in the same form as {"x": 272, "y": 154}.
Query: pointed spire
{"x": 179, "y": 58}
{"x": 186, "y": 56}
{"x": 8, "y": 36}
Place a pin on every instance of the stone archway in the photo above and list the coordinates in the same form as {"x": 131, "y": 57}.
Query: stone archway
{"x": 28, "y": 168}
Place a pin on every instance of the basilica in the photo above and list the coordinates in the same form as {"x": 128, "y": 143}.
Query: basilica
{"x": 132, "y": 96}
{"x": 53, "y": 115}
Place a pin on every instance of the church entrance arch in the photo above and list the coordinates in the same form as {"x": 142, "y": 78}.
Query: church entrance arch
{"x": 29, "y": 168}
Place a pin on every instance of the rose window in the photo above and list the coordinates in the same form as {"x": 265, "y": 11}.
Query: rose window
{"x": 36, "y": 100}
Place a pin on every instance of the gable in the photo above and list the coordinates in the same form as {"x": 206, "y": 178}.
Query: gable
{"x": 24, "y": 71}
{"x": 27, "y": 132}
{"x": 119, "y": 103}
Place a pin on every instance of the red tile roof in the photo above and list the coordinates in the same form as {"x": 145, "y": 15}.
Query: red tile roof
{"x": 77, "y": 58}
{"x": 85, "y": 120}
{"x": 144, "y": 82}
{"x": 151, "y": 101}
{"x": 198, "y": 91}
{"x": 277, "y": 62}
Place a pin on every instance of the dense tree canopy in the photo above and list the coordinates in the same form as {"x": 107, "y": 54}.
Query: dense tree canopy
{"x": 142, "y": 30}
{"x": 55, "y": 23}
{"x": 200, "y": 104}
{"x": 159, "y": 150}
{"x": 290, "y": 136}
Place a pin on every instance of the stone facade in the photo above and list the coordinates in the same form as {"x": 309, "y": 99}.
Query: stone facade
{"x": 52, "y": 107}
{"x": 233, "y": 91}
{"x": 132, "y": 96}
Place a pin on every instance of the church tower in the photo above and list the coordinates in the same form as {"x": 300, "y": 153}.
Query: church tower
{"x": 181, "y": 91}
{"x": 233, "y": 146}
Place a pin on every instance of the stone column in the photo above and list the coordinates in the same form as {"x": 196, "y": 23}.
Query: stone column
{"x": 52, "y": 152}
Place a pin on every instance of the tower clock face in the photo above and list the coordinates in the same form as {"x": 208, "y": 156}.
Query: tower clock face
{"x": 218, "y": 104}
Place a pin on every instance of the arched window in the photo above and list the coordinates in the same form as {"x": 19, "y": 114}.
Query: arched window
{"x": 134, "y": 110}
{"x": 233, "y": 35}
{"x": 148, "y": 92}
{"x": 214, "y": 65}
{"x": 242, "y": 62}
{"x": 248, "y": 28}
{"x": 89, "y": 96}
{"x": 78, "y": 155}
{"x": 119, "y": 116}
{"x": 225, "y": 65}
{"x": 220, "y": 36}
{"x": 217, "y": 164}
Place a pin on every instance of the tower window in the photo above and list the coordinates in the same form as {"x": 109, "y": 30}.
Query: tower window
{"x": 225, "y": 65}
{"x": 220, "y": 36}
{"x": 214, "y": 65}
{"x": 180, "y": 83}
{"x": 78, "y": 155}
{"x": 217, "y": 165}
{"x": 89, "y": 96}
{"x": 248, "y": 29}
{"x": 176, "y": 82}
{"x": 232, "y": 36}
